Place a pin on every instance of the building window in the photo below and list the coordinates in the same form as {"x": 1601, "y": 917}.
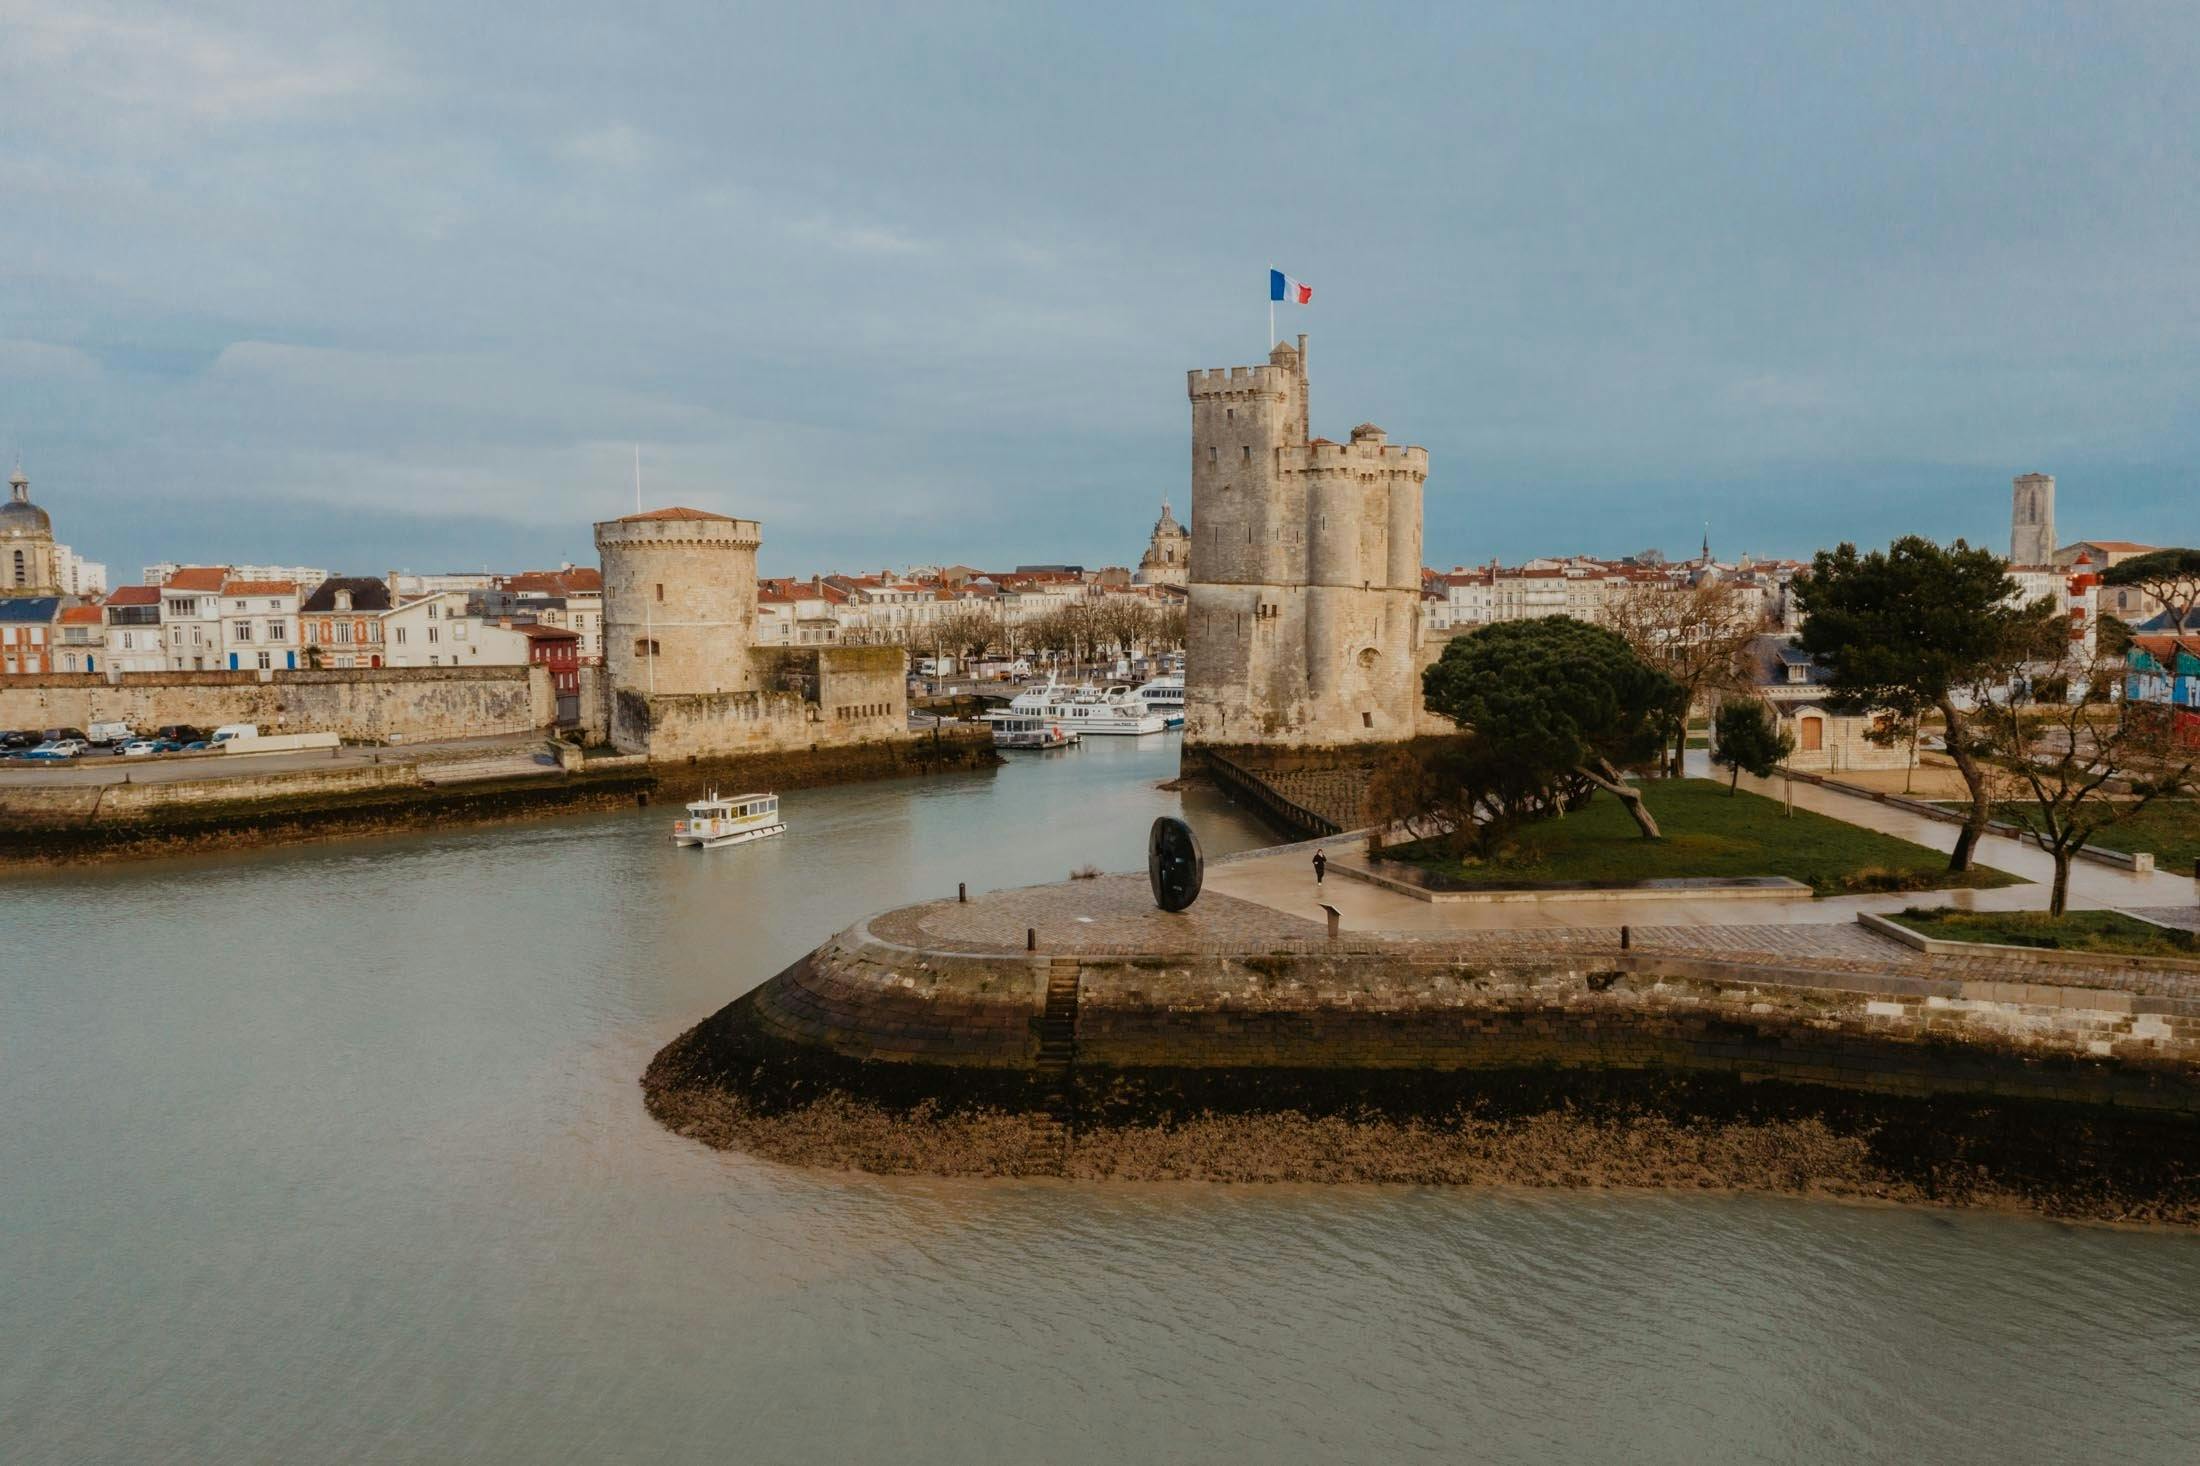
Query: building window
{"x": 644, "y": 647}
{"x": 242, "y": 630}
{"x": 265, "y": 664}
{"x": 400, "y": 635}
{"x": 278, "y": 631}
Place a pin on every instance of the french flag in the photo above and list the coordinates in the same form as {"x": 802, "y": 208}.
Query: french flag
{"x": 1283, "y": 287}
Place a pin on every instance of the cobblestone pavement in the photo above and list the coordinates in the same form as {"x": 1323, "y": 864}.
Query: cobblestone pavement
{"x": 1115, "y": 916}
{"x": 2187, "y": 917}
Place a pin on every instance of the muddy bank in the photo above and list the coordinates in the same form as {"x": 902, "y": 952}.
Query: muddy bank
{"x": 725, "y": 1086}
{"x": 271, "y": 813}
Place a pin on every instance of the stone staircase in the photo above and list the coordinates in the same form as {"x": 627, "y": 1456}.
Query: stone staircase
{"x": 1057, "y": 1051}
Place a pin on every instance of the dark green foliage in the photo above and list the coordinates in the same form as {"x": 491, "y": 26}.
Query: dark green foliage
{"x": 1907, "y": 628}
{"x": 2170, "y": 576}
{"x": 1555, "y": 707}
{"x": 1751, "y": 739}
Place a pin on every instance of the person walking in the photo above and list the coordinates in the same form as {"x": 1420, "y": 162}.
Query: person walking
{"x": 1321, "y": 866}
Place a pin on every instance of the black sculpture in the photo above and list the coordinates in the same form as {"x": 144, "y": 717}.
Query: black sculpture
{"x": 1173, "y": 864}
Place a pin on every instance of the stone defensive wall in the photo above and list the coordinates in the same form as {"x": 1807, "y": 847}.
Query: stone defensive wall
{"x": 41, "y": 823}
{"x": 2073, "y": 1090}
{"x": 379, "y": 704}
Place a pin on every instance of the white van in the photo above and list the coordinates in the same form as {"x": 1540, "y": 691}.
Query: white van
{"x": 109, "y": 733}
{"x": 234, "y": 733}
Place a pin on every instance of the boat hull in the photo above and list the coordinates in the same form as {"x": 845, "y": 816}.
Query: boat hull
{"x": 731, "y": 837}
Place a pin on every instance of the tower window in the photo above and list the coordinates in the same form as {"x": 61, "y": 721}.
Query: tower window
{"x": 22, "y": 577}
{"x": 660, "y": 590}
{"x": 1210, "y": 457}
{"x": 1367, "y": 720}
{"x": 644, "y": 647}
{"x": 1229, "y": 414}
{"x": 1247, "y": 453}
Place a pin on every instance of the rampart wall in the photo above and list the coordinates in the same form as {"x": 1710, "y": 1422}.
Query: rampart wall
{"x": 381, "y": 704}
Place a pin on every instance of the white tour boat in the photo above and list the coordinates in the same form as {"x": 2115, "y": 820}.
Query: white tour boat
{"x": 1029, "y": 730}
{"x": 713, "y": 822}
{"x": 1107, "y": 710}
{"x": 1165, "y": 695}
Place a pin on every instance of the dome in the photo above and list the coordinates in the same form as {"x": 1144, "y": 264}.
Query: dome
{"x": 19, "y": 516}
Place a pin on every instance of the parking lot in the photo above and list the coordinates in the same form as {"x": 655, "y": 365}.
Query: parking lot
{"x": 101, "y": 767}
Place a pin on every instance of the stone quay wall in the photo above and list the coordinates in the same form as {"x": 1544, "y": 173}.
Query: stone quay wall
{"x": 1404, "y": 1006}
{"x": 378, "y": 704}
{"x": 1235, "y": 1042}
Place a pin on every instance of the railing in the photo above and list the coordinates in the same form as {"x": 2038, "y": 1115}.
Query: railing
{"x": 1286, "y": 814}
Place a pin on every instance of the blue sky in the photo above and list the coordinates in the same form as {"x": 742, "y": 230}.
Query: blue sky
{"x": 399, "y": 285}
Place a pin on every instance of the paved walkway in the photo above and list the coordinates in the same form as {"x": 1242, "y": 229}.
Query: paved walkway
{"x": 1285, "y": 882}
{"x": 1115, "y": 916}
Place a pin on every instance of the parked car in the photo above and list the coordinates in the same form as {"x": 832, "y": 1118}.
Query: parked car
{"x": 61, "y": 748}
{"x": 111, "y": 732}
{"x": 141, "y": 747}
{"x": 235, "y": 733}
{"x": 179, "y": 732}
{"x": 15, "y": 738}
{"x": 61, "y": 735}
{"x": 196, "y": 745}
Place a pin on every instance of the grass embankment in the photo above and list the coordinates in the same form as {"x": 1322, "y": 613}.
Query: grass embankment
{"x": 1708, "y": 833}
{"x": 2168, "y": 828}
{"x": 2075, "y": 931}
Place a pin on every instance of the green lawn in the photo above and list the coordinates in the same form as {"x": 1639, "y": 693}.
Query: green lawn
{"x": 2168, "y": 827}
{"x": 2075, "y": 931}
{"x": 1707, "y": 833}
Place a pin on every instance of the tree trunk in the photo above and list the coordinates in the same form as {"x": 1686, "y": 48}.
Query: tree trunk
{"x": 1734, "y": 784}
{"x": 1628, "y": 795}
{"x": 2059, "y": 894}
{"x": 1974, "y": 779}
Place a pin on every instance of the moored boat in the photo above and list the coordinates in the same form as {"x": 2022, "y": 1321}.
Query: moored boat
{"x": 1026, "y": 730}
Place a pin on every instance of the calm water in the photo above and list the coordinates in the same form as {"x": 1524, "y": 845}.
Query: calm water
{"x": 336, "y": 1153}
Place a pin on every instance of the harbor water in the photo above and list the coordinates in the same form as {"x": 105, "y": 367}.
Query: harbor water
{"x": 335, "y": 1153}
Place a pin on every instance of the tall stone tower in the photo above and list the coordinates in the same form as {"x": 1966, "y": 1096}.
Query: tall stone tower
{"x": 1305, "y": 569}
{"x": 2032, "y": 520}
{"x": 1167, "y": 560}
{"x": 679, "y": 610}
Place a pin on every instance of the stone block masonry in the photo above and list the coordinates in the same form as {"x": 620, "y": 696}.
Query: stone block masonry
{"x": 1830, "y": 1057}
{"x": 376, "y": 705}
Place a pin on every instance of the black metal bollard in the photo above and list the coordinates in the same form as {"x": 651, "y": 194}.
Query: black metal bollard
{"x": 962, "y": 891}
{"x": 1031, "y": 939}
{"x": 1626, "y": 939}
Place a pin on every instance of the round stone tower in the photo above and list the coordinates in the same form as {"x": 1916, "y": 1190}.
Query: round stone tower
{"x": 679, "y": 602}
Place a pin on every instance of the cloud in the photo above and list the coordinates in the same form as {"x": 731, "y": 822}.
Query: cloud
{"x": 163, "y": 62}
{"x": 859, "y": 239}
{"x": 617, "y": 145}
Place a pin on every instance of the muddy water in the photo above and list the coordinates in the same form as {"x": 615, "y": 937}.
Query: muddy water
{"x": 335, "y": 1153}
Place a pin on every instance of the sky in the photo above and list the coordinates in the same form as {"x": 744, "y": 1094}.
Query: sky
{"x": 403, "y": 286}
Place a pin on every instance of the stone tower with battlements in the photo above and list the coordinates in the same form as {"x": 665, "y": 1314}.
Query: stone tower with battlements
{"x": 1305, "y": 570}
{"x": 2032, "y": 520}
{"x": 679, "y": 607}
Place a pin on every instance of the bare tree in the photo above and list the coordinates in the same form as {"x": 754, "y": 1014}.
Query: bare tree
{"x": 1695, "y": 634}
{"x": 1171, "y": 624}
{"x": 1122, "y": 622}
{"x": 2066, "y": 751}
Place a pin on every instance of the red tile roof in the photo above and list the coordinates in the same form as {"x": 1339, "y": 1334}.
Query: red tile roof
{"x": 198, "y": 577}
{"x": 85, "y": 615}
{"x": 675, "y": 512}
{"x": 536, "y": 631}
{"x": 135, "y": 595}
{"x": 260, "y": 588}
